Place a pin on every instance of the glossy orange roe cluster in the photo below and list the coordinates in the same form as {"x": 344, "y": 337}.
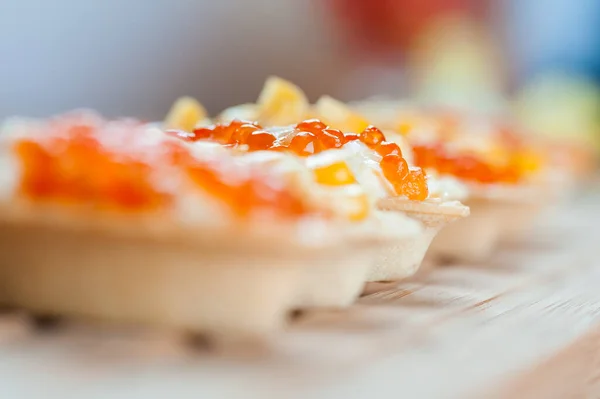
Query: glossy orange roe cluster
{"x": 465, "y": 166}
{"x": 76, "y": 168}
{"x": 253, "y": 193}
{"x": 250, "y": 191}
{"x": 312, "y": 137}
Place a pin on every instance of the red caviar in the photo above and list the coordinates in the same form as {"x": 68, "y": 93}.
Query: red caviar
{"x": 465, "y": 166}
{"x": 394, "y": 168}
{"x": 335, "y": 132}
{"x": 311, "y": 125}
{"x": 241, "y": 134}
{"x": 313, "y": 136}
{"x": 414, "y": 185}
{"x": 259, "y": 140}
{"x": 372, "y": 136}
{"x": 254, "y": 192}
{"x": 223, "y": 133}
{"x": 331, "y": 138}
{"x": 69, "y": 164}
{"x": 304, "y": 144}
{"x": 79, "y": 170}
{"x": 387, "y": 148}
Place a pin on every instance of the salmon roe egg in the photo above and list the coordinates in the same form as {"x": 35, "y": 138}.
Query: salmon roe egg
{"x": 414, "y": 185}
{"x": 330, "y": 138}
{"x": 372, "y": 136}
{"x": 260, "y": 140}
{"x": 303, "y": 143}
{"x": 395, "y": 169}
{"x": 203, "y": 133}
{"x": 241, "y": 134}
{"x": 335, "y": 132}
{"x": 225, "y": 132}
{"x": 388, "y": 148}
{"x": 311, "y": 125}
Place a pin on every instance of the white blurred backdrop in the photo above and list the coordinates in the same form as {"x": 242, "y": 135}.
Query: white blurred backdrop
{"x": 133, "y": 57}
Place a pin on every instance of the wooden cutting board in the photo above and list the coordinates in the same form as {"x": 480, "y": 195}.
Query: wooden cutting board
{"x": 524, "y": 325}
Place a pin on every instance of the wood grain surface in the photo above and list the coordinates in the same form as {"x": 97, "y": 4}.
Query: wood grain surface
{"x": 524, "y": 325}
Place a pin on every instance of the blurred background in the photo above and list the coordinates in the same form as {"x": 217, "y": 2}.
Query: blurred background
{"x": 135, "y": 57}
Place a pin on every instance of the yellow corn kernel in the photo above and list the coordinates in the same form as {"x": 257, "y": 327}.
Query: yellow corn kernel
{"x": 185, "y": 113}
{"x": 281, "y": 103}
{"x": 335, "y": 174}
{"x": 338, "y": 115}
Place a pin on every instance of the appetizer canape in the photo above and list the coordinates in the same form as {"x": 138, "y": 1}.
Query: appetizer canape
{"x": 361, "y": 155}
{"x": 504, "y": 174}
{"x": 118, "y": 221}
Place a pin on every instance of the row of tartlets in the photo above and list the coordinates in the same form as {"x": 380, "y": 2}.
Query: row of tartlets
{"x": 227, "y": 225}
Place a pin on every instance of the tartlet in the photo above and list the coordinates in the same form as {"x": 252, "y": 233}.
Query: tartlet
{"x": 506, "y": 176}
{"x": 115, "y": 220}
{"x": 338, "y": 158}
